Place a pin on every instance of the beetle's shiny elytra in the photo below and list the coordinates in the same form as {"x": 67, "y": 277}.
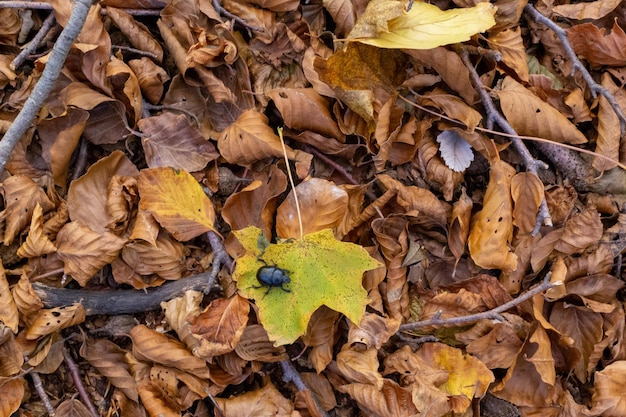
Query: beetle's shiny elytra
{"x": 272, "y": 276}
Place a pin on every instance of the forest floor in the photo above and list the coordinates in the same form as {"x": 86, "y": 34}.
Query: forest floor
{"x": 316, "y": 208}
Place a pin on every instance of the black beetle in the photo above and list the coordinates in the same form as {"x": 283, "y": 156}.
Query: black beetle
{"x": 272, "y": 276}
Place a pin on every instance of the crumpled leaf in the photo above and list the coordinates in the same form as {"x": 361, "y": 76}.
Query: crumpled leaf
{"x": 323, "y": 271}
{"x": 592, "y": 10}
{"x": 598, "y": 47}
{"x": 608, "y": 398}
{"x": 385, "y": 24}
{"x": 493, "y": 230}
{"x": 267, "y": 401}
{"x": 8, "y": 310}
{"x": 173, "y": 142}
{"x": 389, "y": 401}
{"x": 37, "y": 242}
{"x": 455, "y": 151}
{"x": 176, "y": 201}
{"x": 531, "y": 116}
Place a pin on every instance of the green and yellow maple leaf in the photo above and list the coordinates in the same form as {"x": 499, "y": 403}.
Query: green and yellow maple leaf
{"x": 323, "y": 271}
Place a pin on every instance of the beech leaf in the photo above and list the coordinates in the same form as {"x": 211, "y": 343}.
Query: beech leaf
{"x": 384, "y": 24}
{"x": 456, "y": 153}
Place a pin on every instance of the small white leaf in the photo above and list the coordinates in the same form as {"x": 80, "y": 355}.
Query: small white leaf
{"x": 456, "y": 153}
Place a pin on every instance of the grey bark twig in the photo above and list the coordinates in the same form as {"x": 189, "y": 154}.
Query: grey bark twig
{"x": 75, "y": 372}
{"x": 491, "y": 314}
{"x": 42, "y": 89}
{"x": 577, "y": 65}
{"x": 34, "y": 43}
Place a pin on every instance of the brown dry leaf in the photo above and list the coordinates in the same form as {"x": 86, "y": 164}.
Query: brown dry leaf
{"x": 11, "y": 354}
{"x": 293, "y": 103}
{"x": 8, "y": 310}
{"x": 255, "y": 205}
{"x": 319, "y": 337}
{"x": 360, "y": 366}
{"x": 459, "y": 225}
{"x": 165, "y": 258}
{"x": 126, "y": 406}
{"x": 267, "y": 401}
{"x": 149, "y": 345}
{"x": 493, "y": 230}
{"x": 527, "y": 194}
{"x": 37, "y": 242}
{"x": 121, "y": 203}
{"x": 72, "y": 408}
{"x": 52, "y": 320}
{"x": 250, "y": 139}
{"x": 59, "y": 139}
{"x": 87, "y": 196}
{"x": 510, "y": 44}
{"x": 584, "y": 327}
{"x": 598, "y": 47}
{"x": 608, "y": 399}
{"x": 449, "y": 65}
{"x": 499, "y": 348}
{"x": 176, "y": 201}
{"x": 21, "y": 195}
{"x": 608, "y": 140}
{"x": 172, "y": 141}
{"x": 373, "y": 331}
{"x": 220, "y": 326}
{"x": 178, "y": 310}
{"x": 580, "y": 231}
{"x": 391, "y": 234}
{"x": 109, "y": 360}
{"x": 12, "y": 394}
{"x": 436, "y": 171}
{"x": 255, "y": 345}
{"x": 344, "y": 14}
{"x": 138, "y": 34}
{"x": 453, "y": 107}
{"x": 592, "y": 10}
{"x": 323, "y": 390}
{"x": 416, "y": 200}
{"x": 157, "y": 402}
{"x": 146, "y": 227}
{"x": 27, "y": 302}
{"x": 84, "y": 252}
{"x": 323, "y": 205}
{"x": 530, "y": 381}
{"x": 151, "y": 77}
{"x": 531, "y": 116}
{"x": 390, "y": 400}
{"x": 125, "y": 88}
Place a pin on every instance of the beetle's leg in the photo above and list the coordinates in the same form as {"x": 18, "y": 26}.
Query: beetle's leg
{"x": 285, "y": 289}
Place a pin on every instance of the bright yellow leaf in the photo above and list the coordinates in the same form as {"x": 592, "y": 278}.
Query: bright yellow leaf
{"x": 425, "y": 26}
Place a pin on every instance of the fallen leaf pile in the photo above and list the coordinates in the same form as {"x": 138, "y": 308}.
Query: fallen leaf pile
{"x": 418, "y": 263}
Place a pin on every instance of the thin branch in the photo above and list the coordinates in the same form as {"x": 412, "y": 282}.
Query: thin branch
{"x": 47, "y": 6}
{"x": 494, "y": 115}
{"x": 290, "y": 374}
{"x": 42, "y": 89}
{"x": 491, "y": 314}
{"x": 41, "y": 392}
{"x": 578, "y": 65}
{"x": 75, "y": 372}
{"x": 223, "y": 12}
{"x": 34, "y": 43}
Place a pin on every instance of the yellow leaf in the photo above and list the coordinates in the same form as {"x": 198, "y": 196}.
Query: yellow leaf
{"x": 176, "y": 201}
{"x": 425, "y": 26}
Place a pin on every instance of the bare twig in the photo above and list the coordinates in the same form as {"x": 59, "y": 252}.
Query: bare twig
{"x": 47, "y": 6}
{"x": 135, "y": 51}
{"x": 75, "y": 372}
{"x": 577, "y": 65}
{"x": 494, "y": 115}
{"x": 491, "y": 314}
{"x": 223, "y": 12}
{"x": 34, "y": 43}
{"x": 220, "y": 258}
{"x": 41, "y": 392}
{"x": 290, "y": 374}
{"x": 42, "y": 89}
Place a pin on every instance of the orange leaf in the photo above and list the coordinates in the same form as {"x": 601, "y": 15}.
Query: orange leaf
{"x": 51, "y": 320}
{"x": 176, "y": 201}
{"x": 593, "y": 44}
{"x": 490, "y": 235}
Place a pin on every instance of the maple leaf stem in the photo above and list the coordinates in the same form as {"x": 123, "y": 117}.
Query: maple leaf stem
{"x": 491, "y": 314}
{"x": 293, "y": 186}
{"x": 42, "y": 89}
{"x": 578, "y": 65}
